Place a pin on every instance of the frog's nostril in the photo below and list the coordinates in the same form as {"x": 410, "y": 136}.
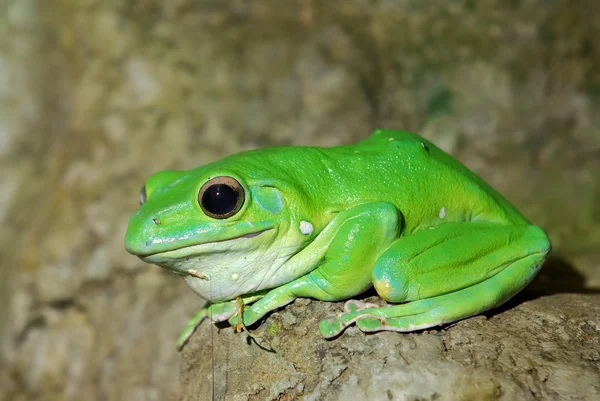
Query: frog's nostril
{"x": 156, "y": 221}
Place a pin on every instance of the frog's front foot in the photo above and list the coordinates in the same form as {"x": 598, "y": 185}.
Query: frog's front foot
{"x": 216, "y": 313}
{"x": 248, "y": 318}
{"x": 191, "y": 327}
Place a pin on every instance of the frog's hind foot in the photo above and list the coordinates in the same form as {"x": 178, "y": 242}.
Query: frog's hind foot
{"x": 354, "y": 305}
{"x": 334, "y": 325}
{"x": 411, "y": 316}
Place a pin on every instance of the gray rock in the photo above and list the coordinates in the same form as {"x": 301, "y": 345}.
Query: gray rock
{"x": 544, "y": 348}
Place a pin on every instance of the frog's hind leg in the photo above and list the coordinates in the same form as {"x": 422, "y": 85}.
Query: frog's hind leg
{"x": 445, "y": 274}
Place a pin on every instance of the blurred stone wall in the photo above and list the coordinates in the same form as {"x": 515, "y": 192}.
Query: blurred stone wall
{"x": 97, "y": 95}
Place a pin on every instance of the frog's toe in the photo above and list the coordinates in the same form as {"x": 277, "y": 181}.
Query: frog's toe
{"x": 331, "y": 327}
{"x": 369, "y": 324}
{"x": 334, "y": 325}
{"x": 354, "y": 311}
{"x": 402, "y": 324}
{"x": 354, "y": 305}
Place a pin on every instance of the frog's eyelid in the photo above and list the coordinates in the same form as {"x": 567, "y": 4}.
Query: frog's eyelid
{"x": 143, "y": 195}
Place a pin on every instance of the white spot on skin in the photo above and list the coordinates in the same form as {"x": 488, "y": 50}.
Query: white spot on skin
{"x": 235, "y": 276}
{"x": 442, "y": 212}
{"x": 391, "y": 139}
{"x": 306, "y": 228}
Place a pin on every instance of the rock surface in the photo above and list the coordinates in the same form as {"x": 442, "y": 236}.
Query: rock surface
{"x": 97, "y": 95}
{"x": 543, "y": 349}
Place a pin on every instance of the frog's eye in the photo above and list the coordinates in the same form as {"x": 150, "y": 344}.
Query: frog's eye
{"x": 221, "y": 197}
{"x": 143, "y": 195}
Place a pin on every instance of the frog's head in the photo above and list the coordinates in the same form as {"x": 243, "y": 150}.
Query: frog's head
{"x": 225, "y": 231}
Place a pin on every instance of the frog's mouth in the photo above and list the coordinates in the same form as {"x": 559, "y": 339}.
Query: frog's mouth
{"x": 215, "y": 246}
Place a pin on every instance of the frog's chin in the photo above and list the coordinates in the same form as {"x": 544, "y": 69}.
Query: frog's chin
{"x": 222, "y": 270}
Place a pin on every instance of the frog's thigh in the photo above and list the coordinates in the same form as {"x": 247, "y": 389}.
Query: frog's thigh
{"x": 454, "y": 256}
{"x": 345, "y": 269}
{"x": 451, "y": 272}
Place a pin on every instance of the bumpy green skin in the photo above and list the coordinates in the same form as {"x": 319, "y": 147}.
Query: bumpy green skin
{"x": 393, "y": 212}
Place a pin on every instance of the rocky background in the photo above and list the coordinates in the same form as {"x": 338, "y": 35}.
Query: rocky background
{"x": 97, "y": 95}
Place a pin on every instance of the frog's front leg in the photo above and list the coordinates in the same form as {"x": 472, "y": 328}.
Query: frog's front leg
{"x": 345, "y": 252}
{"x": 215, "y": 312}
{"x": 448, "y": 273}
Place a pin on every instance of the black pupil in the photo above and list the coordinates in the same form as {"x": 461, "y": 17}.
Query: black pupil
{"x": 219, "y": 199}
